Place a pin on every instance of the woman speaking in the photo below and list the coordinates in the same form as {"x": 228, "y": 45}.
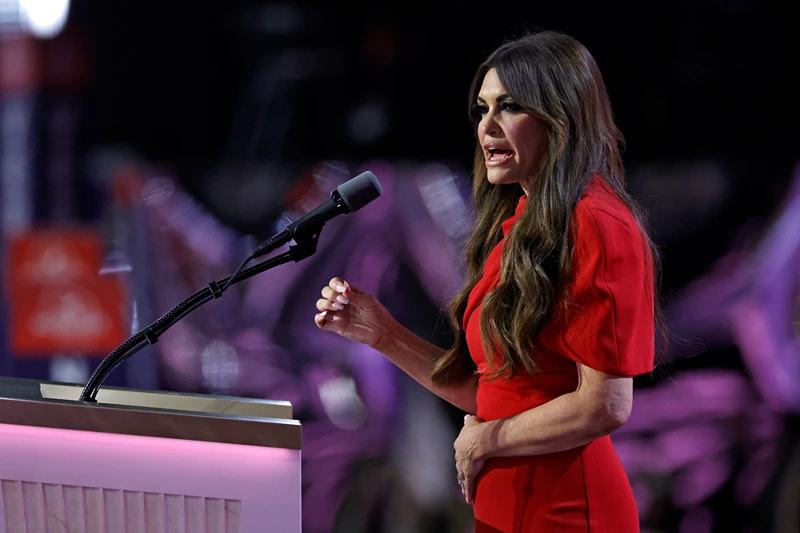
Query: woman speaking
{"x": 559, "y": 309}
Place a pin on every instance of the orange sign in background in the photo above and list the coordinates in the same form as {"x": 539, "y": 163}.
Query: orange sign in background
{"x": 58, "y": 302}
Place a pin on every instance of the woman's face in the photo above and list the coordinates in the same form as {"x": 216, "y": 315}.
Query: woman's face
{"x": 513, "y": 140}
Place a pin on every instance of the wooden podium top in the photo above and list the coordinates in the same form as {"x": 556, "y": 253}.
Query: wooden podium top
{"x": 196, "y": 417}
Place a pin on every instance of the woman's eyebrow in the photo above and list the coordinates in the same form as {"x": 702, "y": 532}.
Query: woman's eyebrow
{"x": 500, "y": 98}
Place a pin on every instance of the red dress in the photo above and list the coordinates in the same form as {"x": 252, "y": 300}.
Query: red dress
{"x": 610, "y": 329}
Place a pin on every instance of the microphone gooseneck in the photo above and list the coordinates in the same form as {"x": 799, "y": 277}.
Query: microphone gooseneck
{"x": 348, "y": 197}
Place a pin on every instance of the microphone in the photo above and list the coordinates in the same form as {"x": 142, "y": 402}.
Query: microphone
{"x": 346, "y": 198}
{"x": 350, "y": 196}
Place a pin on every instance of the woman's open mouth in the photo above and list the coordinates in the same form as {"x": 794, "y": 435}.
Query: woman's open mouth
{"x": 498, "y": 156}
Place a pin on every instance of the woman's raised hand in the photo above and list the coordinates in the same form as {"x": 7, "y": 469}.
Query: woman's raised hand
{"x": 352, "y": 313}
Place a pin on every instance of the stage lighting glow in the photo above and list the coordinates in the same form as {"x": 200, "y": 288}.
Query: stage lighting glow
{"x": 44, "y": 18}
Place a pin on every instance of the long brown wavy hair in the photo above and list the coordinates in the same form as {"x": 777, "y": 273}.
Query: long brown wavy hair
{"x": 553, "y": 77}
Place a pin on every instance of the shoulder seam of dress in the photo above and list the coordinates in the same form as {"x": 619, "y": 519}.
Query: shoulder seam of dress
{"x": 607, "y": 288}
{"x": 602, "y": 209}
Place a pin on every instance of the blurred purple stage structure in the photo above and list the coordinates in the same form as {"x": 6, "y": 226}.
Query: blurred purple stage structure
{"x": 691, "y": 431}
{"x": 260, "y": 340}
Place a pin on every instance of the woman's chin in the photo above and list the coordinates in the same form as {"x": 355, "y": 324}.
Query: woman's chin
{"x": 497, "y": 176}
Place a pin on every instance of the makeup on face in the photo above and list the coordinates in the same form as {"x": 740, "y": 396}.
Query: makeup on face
{"x": 513, "y": 140}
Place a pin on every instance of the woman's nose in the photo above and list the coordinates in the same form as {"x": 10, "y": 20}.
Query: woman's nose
{"x": 488, "y": 125}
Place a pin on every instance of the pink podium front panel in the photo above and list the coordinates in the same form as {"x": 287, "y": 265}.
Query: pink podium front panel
{"x": 66, "y": 481}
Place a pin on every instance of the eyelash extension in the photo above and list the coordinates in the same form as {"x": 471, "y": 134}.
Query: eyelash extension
{"x": 511, "y": 106}
{"x": 478, "y": 111}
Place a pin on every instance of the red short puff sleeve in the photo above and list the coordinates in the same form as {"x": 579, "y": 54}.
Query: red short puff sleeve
{"x": 609, "y": 322}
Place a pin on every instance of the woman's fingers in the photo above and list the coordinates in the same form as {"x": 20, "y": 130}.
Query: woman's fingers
{"x": 342, "y": 287}
{"x": 469, "y": 483}
{"x": 320, "y": 319}
{"x": 466, "y": 480}
{"x": 471, "y": 420}
{"x": 327, "y": 305}
{"x": 338, "y": 284}
{"x": 335, "y": 296}
{"x": 330, "y": 294}
{"x": 350, "y": 291}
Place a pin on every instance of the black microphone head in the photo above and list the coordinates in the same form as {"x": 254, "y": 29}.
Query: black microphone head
{"x": 360, "y": 190}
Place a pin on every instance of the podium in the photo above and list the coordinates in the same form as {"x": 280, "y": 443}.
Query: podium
{"x": 145, "y": 462}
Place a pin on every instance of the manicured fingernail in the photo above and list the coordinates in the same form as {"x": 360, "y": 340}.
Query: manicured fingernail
{"x": 337, "y": 306}
{"x": 466, "y": 416}
{"x": 339, "y": 287}
{"x": 323, "y": 314}
{"x": 342, "y": 300}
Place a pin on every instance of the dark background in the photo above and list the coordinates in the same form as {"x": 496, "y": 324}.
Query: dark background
{"x": 688, "y": 81}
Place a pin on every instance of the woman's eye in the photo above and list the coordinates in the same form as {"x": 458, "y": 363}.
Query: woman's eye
{"x": 511, "y": 107}
{"x": 479, "y": 110}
